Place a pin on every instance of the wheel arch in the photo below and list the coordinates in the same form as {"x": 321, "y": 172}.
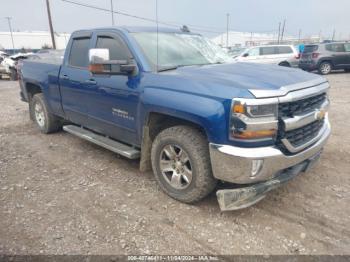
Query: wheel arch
{"x": 284, "y": 63}
{"x": 322, "y": 60}
{"x": 155, "y": 123}
{"x": 31, "y": 89}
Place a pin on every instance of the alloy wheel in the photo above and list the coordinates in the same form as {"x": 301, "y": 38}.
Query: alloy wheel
{"x": 175, "y": 166}
{"x": 39, "y": 114}
{"x": 325, "y": 68}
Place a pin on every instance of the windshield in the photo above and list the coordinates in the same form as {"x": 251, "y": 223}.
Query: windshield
{"x": 177, "y": 49}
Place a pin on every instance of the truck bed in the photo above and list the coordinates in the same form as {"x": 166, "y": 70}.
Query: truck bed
{"x": 43, "y": 73}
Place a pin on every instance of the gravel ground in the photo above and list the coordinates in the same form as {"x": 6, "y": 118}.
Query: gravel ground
{"x": 62, "y": 195}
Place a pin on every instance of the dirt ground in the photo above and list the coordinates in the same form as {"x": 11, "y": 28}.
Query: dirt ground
{"x": 62, "y": 195}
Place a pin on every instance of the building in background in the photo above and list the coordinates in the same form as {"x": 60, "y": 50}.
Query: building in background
{"x": 246, "y": 39}
{"x": 32, "y": 40}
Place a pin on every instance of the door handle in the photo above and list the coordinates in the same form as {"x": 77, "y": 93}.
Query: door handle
{"x": 65, "y": 77}
{"x": 91, "y": 81}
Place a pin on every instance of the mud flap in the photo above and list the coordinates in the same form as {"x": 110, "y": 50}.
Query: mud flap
{"x": 238, "y": 198}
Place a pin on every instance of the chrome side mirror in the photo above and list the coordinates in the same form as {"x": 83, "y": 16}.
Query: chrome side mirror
{"x": 98, "y": 56}
{"x": 100, "y": 63}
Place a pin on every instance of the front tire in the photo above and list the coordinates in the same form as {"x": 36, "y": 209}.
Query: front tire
{"x": 46, "y": 122}
{"x": 325, "y": 68}
{"x": 181, "y": 164}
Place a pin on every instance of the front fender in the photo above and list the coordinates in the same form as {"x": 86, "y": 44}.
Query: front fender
{"x": 208, "y": 112}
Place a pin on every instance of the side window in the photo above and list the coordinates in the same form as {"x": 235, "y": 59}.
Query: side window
{"x": 284, "y": 50}
{"x": 335, "y": 47}
{"x": 79, "y": 53}
{"x": 253, "y": 52}
{"x": 267, "y": 50}
{"x": 347, "y": 47}
{"x": 117, "y": 49}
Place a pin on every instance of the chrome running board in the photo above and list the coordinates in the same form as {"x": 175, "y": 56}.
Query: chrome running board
{"x": 103, "y": 141}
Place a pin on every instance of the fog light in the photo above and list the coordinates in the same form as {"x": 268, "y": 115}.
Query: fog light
{"x": 256, "y": 167}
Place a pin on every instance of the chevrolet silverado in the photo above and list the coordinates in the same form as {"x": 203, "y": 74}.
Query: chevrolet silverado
{"x": 182, "y": 106}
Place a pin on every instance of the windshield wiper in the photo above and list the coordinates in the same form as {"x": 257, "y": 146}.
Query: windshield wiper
{"x": 215, "y": 63}
{"x": 168, "y": 68}
{"x": 176, "y": 67}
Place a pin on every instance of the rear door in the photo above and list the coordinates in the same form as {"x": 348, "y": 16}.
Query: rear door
{"x": 74, "y": 79}
{"x": 338, "y": 55}
{"x": 269, "y": 55}
{"x": 285, "y": 52}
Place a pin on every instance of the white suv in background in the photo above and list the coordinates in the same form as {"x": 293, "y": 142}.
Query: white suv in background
{"x": 283, "y": 55}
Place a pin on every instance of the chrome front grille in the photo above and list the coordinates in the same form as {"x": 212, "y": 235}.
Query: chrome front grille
{"x": 302, "y": 106}
{"x": 307, "y": 123}
{"x": 299, "y": 136}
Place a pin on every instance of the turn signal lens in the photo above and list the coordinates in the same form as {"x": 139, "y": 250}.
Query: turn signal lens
{"x": 238, "y": 108}
{"x": 96, "y": 68}
{"x": 254, "y": 134}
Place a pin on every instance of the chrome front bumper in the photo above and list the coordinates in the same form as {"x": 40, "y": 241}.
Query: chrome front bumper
{"x": 235, "y": 164}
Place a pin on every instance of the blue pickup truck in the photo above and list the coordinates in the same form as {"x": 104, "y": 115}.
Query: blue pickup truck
{"x": 180, "y": 104}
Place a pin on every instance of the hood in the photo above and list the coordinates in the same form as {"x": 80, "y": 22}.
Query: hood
{"x": 231, "y": 80}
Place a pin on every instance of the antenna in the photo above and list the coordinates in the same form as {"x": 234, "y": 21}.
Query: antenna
{"x": 157, "y": 34}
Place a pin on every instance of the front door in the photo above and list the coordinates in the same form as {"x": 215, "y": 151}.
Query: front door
{"x": 113, "y": 102}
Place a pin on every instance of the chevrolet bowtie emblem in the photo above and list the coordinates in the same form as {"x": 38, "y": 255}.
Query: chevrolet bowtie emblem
{"x": 319, "y": 115}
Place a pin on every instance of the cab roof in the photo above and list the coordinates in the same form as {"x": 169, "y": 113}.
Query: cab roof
{"x": 138, "y": 29}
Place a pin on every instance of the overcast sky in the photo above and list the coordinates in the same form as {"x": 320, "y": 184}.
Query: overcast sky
{"x": 245, "y": 15}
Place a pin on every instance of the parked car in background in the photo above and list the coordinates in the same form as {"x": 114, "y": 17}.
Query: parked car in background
{"x": 9, "y": 64}
{"x": 234, "y": 52}
{"x": 283, "y": 55}
{"x": 326, "y": 57}
{"x": 3, "y": 71}
{"x": 3, "y": 55}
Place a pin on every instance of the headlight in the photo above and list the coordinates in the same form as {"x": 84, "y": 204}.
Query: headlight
{"x": 262, "y": 110}
{"x": 253, "y": 119}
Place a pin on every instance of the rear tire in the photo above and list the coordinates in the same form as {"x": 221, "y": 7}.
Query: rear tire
{"x": 325, "y": 68}
{"x": 46, "y": 122}
{"x": 181, "y": 164}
